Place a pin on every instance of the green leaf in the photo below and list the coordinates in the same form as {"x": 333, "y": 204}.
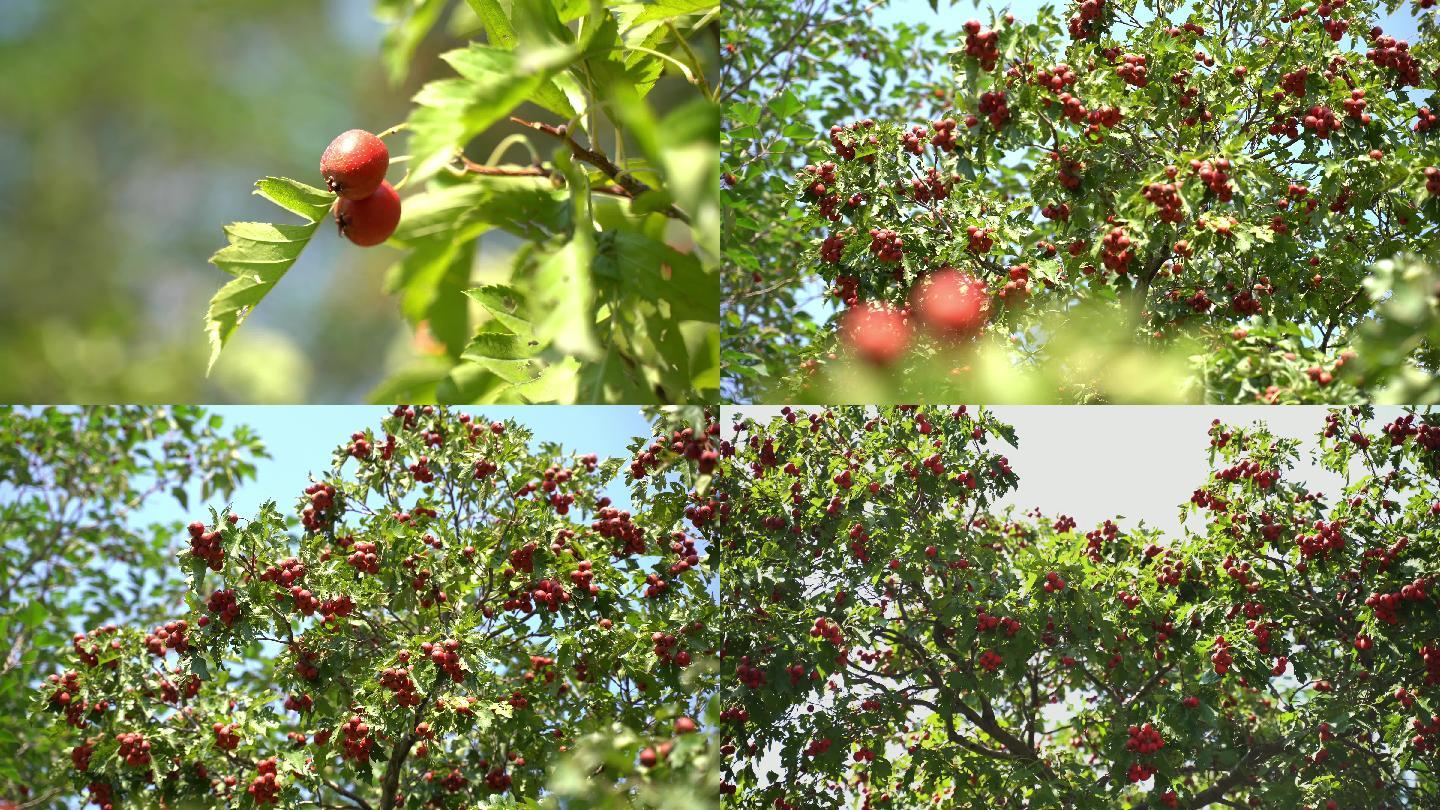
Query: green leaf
{"x": 654, "y": 271}
{"x": 497, "y": 24}
{"x": 506, "y": 304}
{"x": 259, "y": 255}
{"x": 401, "y": 40}
{"x": 670, "y": 9}
{"x": 494, "y": 81}
{"x": 501, "y": 346}
{"x": 565, "y": 289}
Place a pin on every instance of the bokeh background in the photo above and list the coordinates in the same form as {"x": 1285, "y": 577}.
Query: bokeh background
{"x": 132, "y": 130}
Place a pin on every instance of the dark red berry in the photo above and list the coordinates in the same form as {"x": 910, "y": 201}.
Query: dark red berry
{"x": 369, "y": 221}
{"x": 354, "y": 164}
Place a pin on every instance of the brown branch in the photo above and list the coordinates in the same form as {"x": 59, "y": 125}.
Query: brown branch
{"x": 601, "y": 161}
{"x": 531, "y": 171}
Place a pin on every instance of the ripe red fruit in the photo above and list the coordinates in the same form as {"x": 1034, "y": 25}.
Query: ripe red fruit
{"x": 952, "y": 302}
{"x": 685, "y": 725}
{"x": 648, "y": 758}
{"x": 370, "y": 221}
{"x": 877, "y": 333}
{"x": 354, "y": 164}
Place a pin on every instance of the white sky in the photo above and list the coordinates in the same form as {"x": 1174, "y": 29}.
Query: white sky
{"x": 1140, "y": 462}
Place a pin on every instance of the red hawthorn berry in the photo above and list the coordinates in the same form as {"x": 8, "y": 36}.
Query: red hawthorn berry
{"x": 354, "y": 164}
{"x": 369, "y": 221}
{"x": 951, "y": 302}
{"x": 876, "y": 333}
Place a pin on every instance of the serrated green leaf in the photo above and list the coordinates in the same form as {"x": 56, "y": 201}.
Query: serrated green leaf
{"x": 259, "y": 255}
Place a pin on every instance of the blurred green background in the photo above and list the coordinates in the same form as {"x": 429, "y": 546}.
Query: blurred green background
{"x": 130, "y": 131}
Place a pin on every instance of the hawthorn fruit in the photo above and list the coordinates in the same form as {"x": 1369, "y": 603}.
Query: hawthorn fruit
{"x": 354, "y": 164}
{"x": 370, "y": 221}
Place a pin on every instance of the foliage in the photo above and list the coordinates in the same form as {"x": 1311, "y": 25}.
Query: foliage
{"x": 71, "y": 482}
{"x": 611, "y": 296}
{"x": 786, "y": 68}
{"x": 453, "y": 615}
{"x": 1218, "y": 179}
{"x": 891, "y": 632}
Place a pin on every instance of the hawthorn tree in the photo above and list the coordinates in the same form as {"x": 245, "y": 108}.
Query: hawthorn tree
{"x": 455, "y": 615}
{"x": 786, "y": 67}
{"x": 612, "y": 294}
{"x": 71, "y": 484}
{"x": 1209, "y": 185}
{"x": 894, "y": 640}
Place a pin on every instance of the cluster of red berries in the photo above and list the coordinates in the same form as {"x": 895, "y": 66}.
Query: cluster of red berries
{"x": 227, "y": 737}
{"x": 1053, "y": 582}
{"x": 497, "y": 780}
{"x": 1424, "y": 731}
{"x": 1426, "y": 120}
{"x": 1431, "y": 656}
{"x": 446, "y": 657}
{"x": 1389, "y": 52}
{"x": 1387, "y": 605}
{"x": 1056, "y": 79}
{"x": 168, "y": 636}
{"x": 1293, "y": 82}
{"x": 364, "y": 557}
{"x": 299, "y": 703}
{"x": 1322, "y": 120}
{"x": 1144, "y": 740}
{"x": 367, "y": 209}
{"x": 1216, "y": 175}
{"x": 986, "y": 622}
{"x": 1432, "y": 180}
{"x": 1264, "y": 478}
{"x": 1071, "y": 172}
{"x": 1115, "y": 251}
{"x": 1133, "y": 70}
{"x": 360, "y": 446}
{"x": 1166, "y": 197}
{"x": 1327, "y": 537}
{"x": 224, "y": 604}
{"x": 1221, "y": 658}
{"x": 398, "y": 680}
{"x": 421, "y": 471}
{"x": 981, "y": 239}
{"x": 90, "y": 656}
{"x": 1139, "y": 772}
{"x": 316, "y": 514}
{"x": 832, "y": 248}
{"x": 990, "y": 661}
{"x": 1086, "y": 22}
{"x": 355, "y": 740}
{"x": 914, "y": 141}
{"x": 80, "y": 756}
{"x": 751, "y": 676}
{"x": 886, "y": 245}
{"x": 931, "y": 185}
{"x": 846, "y": 150}
{"x": 944, "y": 137}
{"x": 1018, "y": 287}
{"x": 206, "y": 545}
{"x": 615, "y": 524}
{"x": 134, "y": 749}
{"x": 982, "y": 44}
{"x": 994, "y": 107}
{"x": 305, "y": 665}
{"x": 826, "y": 628}
{"x": 266, "y": 785}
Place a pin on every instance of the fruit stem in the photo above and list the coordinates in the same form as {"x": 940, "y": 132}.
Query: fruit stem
{"x": 392, "y": 130}
{"x": 509, "y": 141}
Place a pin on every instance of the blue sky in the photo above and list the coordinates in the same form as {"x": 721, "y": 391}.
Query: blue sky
{"x": 300, "y": 440}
